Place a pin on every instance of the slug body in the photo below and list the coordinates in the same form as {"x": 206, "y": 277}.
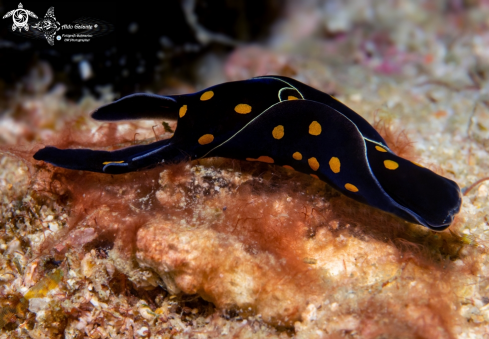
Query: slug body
{"x": 280, "y": 121}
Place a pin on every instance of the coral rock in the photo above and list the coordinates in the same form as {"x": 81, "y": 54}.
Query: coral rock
{"x": 219, "y": 269}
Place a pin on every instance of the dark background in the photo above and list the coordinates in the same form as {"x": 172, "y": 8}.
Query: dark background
{"x": 150, "y": 42}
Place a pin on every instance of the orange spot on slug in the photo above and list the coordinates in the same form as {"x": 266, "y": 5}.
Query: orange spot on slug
{"x": 262, "y": 158}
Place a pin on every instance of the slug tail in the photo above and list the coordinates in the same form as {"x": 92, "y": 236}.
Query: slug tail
{"x": 116, "y": 162}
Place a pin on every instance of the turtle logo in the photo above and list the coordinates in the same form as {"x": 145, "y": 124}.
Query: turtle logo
{"x": 49, "y": 26}
{"x": 20, "y": 17}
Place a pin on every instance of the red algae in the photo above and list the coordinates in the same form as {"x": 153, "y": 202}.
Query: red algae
{"x": 260, "y": 241}
{"x": 235, "y": 244}
{"x": 396, "y": 138}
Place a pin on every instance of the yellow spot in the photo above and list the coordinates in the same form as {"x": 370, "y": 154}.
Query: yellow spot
{"x": 313, "y": 163}
{"x": 335, "y": 164}
{"x": 351, "y": 188}
{"x": 243, "y": 109}
{"x": 291, "y": 97}
{"x": 380, "y": 149}
{"x": 263, "y": 158}
{"x": 206, "y": 139}
{"x": 417, "y": 164}
{"x": 336, "y": 99}
{"x": 278, "y": 132}
{"x": 289, "y": 167}
{"x": 314, "y": 176}
{"x": 389, "y": 164}
{"x": 182, "y": 111}
{"x": 113, "y": 162}
{"x": 315, "y": 128}
{"x": 297, "y": 156}
{"x": 207, "y": 95}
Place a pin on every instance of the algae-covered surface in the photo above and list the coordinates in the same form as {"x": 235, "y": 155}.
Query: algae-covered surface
{"x": 223, "y": 248}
